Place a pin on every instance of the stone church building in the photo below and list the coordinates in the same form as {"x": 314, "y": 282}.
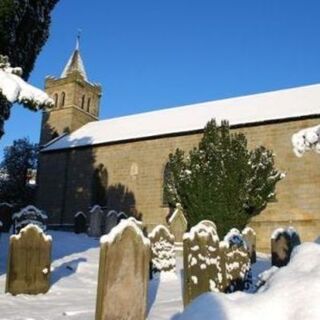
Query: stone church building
{"x": 120, "y": 163}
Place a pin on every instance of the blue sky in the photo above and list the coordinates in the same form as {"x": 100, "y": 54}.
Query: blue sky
{"x": 150, "y": 54}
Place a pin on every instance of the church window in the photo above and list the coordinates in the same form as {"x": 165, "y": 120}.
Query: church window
{"x": 82, "y": 101}
{"x": 88, "y": 104}
{"x": 55, "y": 98}
{"x": 63, "y": 97}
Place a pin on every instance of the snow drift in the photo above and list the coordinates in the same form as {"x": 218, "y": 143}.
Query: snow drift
{"x": 290, "y": 293}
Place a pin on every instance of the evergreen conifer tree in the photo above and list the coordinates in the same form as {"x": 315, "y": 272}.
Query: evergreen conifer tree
{"x": 221, "y": 180}
{"x": 24, "y": 29}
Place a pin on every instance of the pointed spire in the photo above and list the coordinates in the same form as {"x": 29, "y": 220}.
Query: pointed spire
{"x": 75, "y": 62}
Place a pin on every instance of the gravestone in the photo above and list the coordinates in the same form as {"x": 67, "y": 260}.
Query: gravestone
{"x": 282, "y": 243}
{"x": 249, "y": 236}
{"x": 80, "y": 222}
{"x": 29, "y": 215}
{"x": 178, "y": 224}
{"x": 209, "y": 224}
{"x": 201, "y": 261}
{"x": 121, "y": 216}
{"x": 29, "y": 261}
{"x": 6, "y": 211}
{"x": 96, "y": 222}
{"x": 237, "y": 261}
{"x": 123, "y": 273}
{"x": 162, "y": 250}
{"x": 111, "y": 221}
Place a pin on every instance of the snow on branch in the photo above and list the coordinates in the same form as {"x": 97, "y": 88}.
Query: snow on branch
{"x": 305, "y": 140}
{"x": 15, "y": 89}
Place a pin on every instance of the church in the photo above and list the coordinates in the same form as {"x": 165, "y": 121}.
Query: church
{"x": 120, "y": 163}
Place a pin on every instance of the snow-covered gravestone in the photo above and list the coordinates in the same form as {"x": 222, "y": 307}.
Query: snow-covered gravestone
{"x": 80, "y": 222}
{"x": 178, "y": 223}
{"x": 123, "y": 273}
{"x": 96, "y": 216}
{"x": 111, "y": 221}
{"x": 237, "y": 261}
{"x": 29, "y": 262}
{"x": 282, "y": 243}
{"x": 201, "y": 261}
{"x": 249, "y": 236}
{"x": 162, "y": 250}
{"x": 27, "y": 215}
{"x": 121, "y": 216}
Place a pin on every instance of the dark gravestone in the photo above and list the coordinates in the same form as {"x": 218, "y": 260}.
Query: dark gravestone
{"x": 283, "y": 242}
{"x": 96, "y": 216}
{"x": 80, "y": 222}
{"x": 29, "y": 215}
{"x": 123, "y": 273}
{"x": 111, "y": 221}
{"x": 29, "y": 262}
{"x": 6, "y": 211}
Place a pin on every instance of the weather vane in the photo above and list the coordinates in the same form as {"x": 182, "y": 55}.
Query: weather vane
{"x": 78, "y": 39}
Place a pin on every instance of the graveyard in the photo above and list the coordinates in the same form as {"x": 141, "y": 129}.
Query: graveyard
{"x": 117, "y": 271}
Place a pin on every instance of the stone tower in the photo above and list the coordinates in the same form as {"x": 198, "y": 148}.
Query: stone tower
{"x": 76, "y": 100}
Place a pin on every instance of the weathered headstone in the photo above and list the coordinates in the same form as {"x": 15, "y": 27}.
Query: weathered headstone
{"x": 29, "y": 262}
{"x": 80, "y": 222}
{"x": 202, "y": 263}
{"x": 209, "y": 224}
{"x": 162, "y": 250}
{"x": 6, "y": 211}
{"x": 282, "y": 243}
{"x": 28, "y": 215}
{"x": 123, "y": 273}
{"x": 249, "y": 236}
{"x": 96, "y": 222}
{"x": 178, "y": 224}
{"x": 237, "y": 261}
{"x": 111, "y": 221}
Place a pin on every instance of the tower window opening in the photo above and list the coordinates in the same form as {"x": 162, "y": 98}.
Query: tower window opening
{"x": 82, "y": 101}
{"x": 55, "y": 98}
{"x": 88, "y": 104}
{"x": 63, "y": 97}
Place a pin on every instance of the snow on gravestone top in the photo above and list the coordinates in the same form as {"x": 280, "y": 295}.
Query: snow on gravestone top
{"x": 237, "y": 261}
{"x": 249, "y": 236}
{"x": 123, "y": 273}
{"x": 202, "y": 264}
{"x": 80, "y": 222}
{"x": 162, "y": 249}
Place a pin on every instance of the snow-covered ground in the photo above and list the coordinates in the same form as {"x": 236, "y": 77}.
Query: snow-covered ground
{"x": 74, "y": 280}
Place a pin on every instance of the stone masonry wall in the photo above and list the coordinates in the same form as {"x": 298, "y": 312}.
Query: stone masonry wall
{"x": 138, "y": 166}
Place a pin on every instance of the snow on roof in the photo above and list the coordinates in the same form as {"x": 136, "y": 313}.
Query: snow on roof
{"x": 275, "y": 105}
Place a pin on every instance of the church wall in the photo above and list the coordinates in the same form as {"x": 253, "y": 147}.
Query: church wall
{"x": 138, "y": 167}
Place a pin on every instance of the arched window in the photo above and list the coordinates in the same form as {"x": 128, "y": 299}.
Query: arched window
{"x": 88, "y": 104}
{"x": 82, "y": 101}
{"x": 63, "y": 97}
{"x": 55, "y": 98}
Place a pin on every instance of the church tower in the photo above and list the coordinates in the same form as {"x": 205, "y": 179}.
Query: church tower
{"x": 76, "y": 100}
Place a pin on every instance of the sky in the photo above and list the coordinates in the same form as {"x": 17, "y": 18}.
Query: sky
{"x": 149, "y": 55}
